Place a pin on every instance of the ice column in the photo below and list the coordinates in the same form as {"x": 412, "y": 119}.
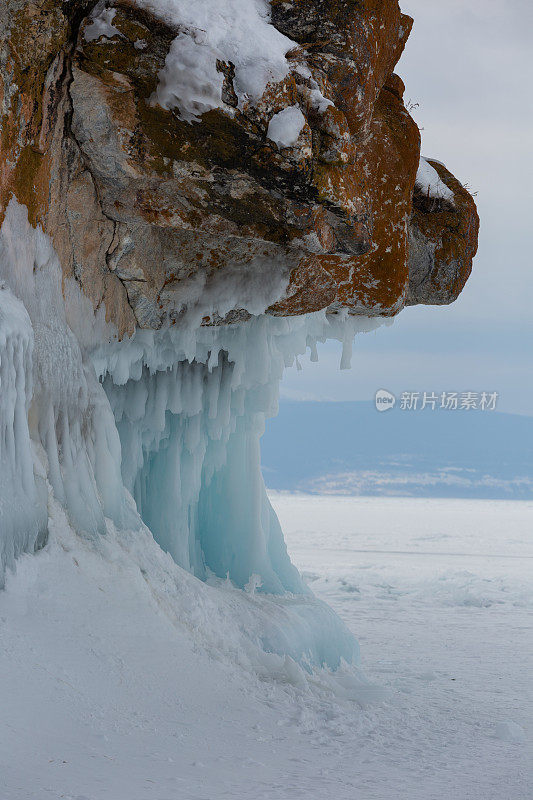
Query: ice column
{"x": 23, "y": 515}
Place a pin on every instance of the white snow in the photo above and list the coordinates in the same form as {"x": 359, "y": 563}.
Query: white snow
{"x": 318, "y": 101}
{"x": 509, "y": 731}
{"x": 286, "y": 126}
{"x": 226, "y": 30}
{"x": 101, "y": 24}
{"x": 314, "y": 96}
{"x": 439, "y": 594}
{"x": 189, "y": 81}
{"x": 124, "y": 677}
{"x": 427, "y": 179}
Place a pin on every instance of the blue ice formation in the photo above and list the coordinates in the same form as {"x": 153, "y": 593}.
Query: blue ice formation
{"x": 172, "y": 418}
{"x": 190, "y": 408}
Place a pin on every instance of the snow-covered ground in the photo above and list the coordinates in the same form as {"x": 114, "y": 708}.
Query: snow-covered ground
{"x": 108, "y": 692}
{"x": 439, "y": 593}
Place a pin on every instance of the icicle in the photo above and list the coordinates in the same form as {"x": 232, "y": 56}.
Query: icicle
{"x": 176, "y": 419}
{"x": 23, "y": 517}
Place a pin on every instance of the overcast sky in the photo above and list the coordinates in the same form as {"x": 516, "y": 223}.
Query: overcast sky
{"x": 468, "y": 65}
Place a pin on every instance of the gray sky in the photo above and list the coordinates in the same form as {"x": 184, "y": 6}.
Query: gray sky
{"x": 468, "y": 65}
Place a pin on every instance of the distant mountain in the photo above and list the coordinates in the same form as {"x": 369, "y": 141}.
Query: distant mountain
{"x": 350, "y": 448}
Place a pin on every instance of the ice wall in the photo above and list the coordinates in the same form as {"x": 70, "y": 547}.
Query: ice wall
{"x": 43, "y": 367}
{"x": 172, "y": 418}
{"x": 23, "y": 518}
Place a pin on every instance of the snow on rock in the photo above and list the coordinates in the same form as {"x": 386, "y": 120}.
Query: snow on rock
{"x": 286, "y": 126}
{"x": 443, "y": 236}
{"x": 313, "y": 94}
{"x": 236, "y": 31}
{"x": 101, "y": 24}
{"x": 189, "y": 80}
{"x": 429, "y": 183}
{"x": 144, "y": 207}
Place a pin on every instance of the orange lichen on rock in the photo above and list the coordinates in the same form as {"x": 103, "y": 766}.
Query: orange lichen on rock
{"x": 35, "y": 34}
{"x": 143, "y": 205}
{"x": 443, "y": 242}
{"x": 374, "y": 282}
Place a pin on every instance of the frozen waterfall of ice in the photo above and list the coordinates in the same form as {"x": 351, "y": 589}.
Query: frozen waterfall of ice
{"x": 172, "y": 418}
{"x": 190, "y": 408}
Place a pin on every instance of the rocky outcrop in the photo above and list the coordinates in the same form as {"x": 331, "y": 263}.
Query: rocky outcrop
{"x": 443, "y": 233}
{"x": 155, "y": 214}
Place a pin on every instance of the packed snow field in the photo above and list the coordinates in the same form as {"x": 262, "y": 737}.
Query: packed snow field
{"x": 114, "y": 690}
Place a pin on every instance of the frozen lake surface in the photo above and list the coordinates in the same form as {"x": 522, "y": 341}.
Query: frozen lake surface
{"x": 114, "y": 685}
{"x": 439, "y": 594}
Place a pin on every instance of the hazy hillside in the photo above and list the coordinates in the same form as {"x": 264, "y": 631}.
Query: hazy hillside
{"x": 350, "y": 448}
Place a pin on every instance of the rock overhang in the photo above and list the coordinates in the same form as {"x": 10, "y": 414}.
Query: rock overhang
{"x": 153, "y": 214}
{"x": 152, "y": 219}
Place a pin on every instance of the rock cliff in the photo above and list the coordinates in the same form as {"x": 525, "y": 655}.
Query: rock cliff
{"x": 170, "y": 190}
{"x": 198, "y": 163}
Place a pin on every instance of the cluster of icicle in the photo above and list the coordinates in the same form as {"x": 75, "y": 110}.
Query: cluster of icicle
{"x": 172, "y": 418}
{"x": 190, "y": 408}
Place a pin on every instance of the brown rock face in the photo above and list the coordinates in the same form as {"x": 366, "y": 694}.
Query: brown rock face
{"x": 152, "y": 214}
{"x": 442, "y": 243}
